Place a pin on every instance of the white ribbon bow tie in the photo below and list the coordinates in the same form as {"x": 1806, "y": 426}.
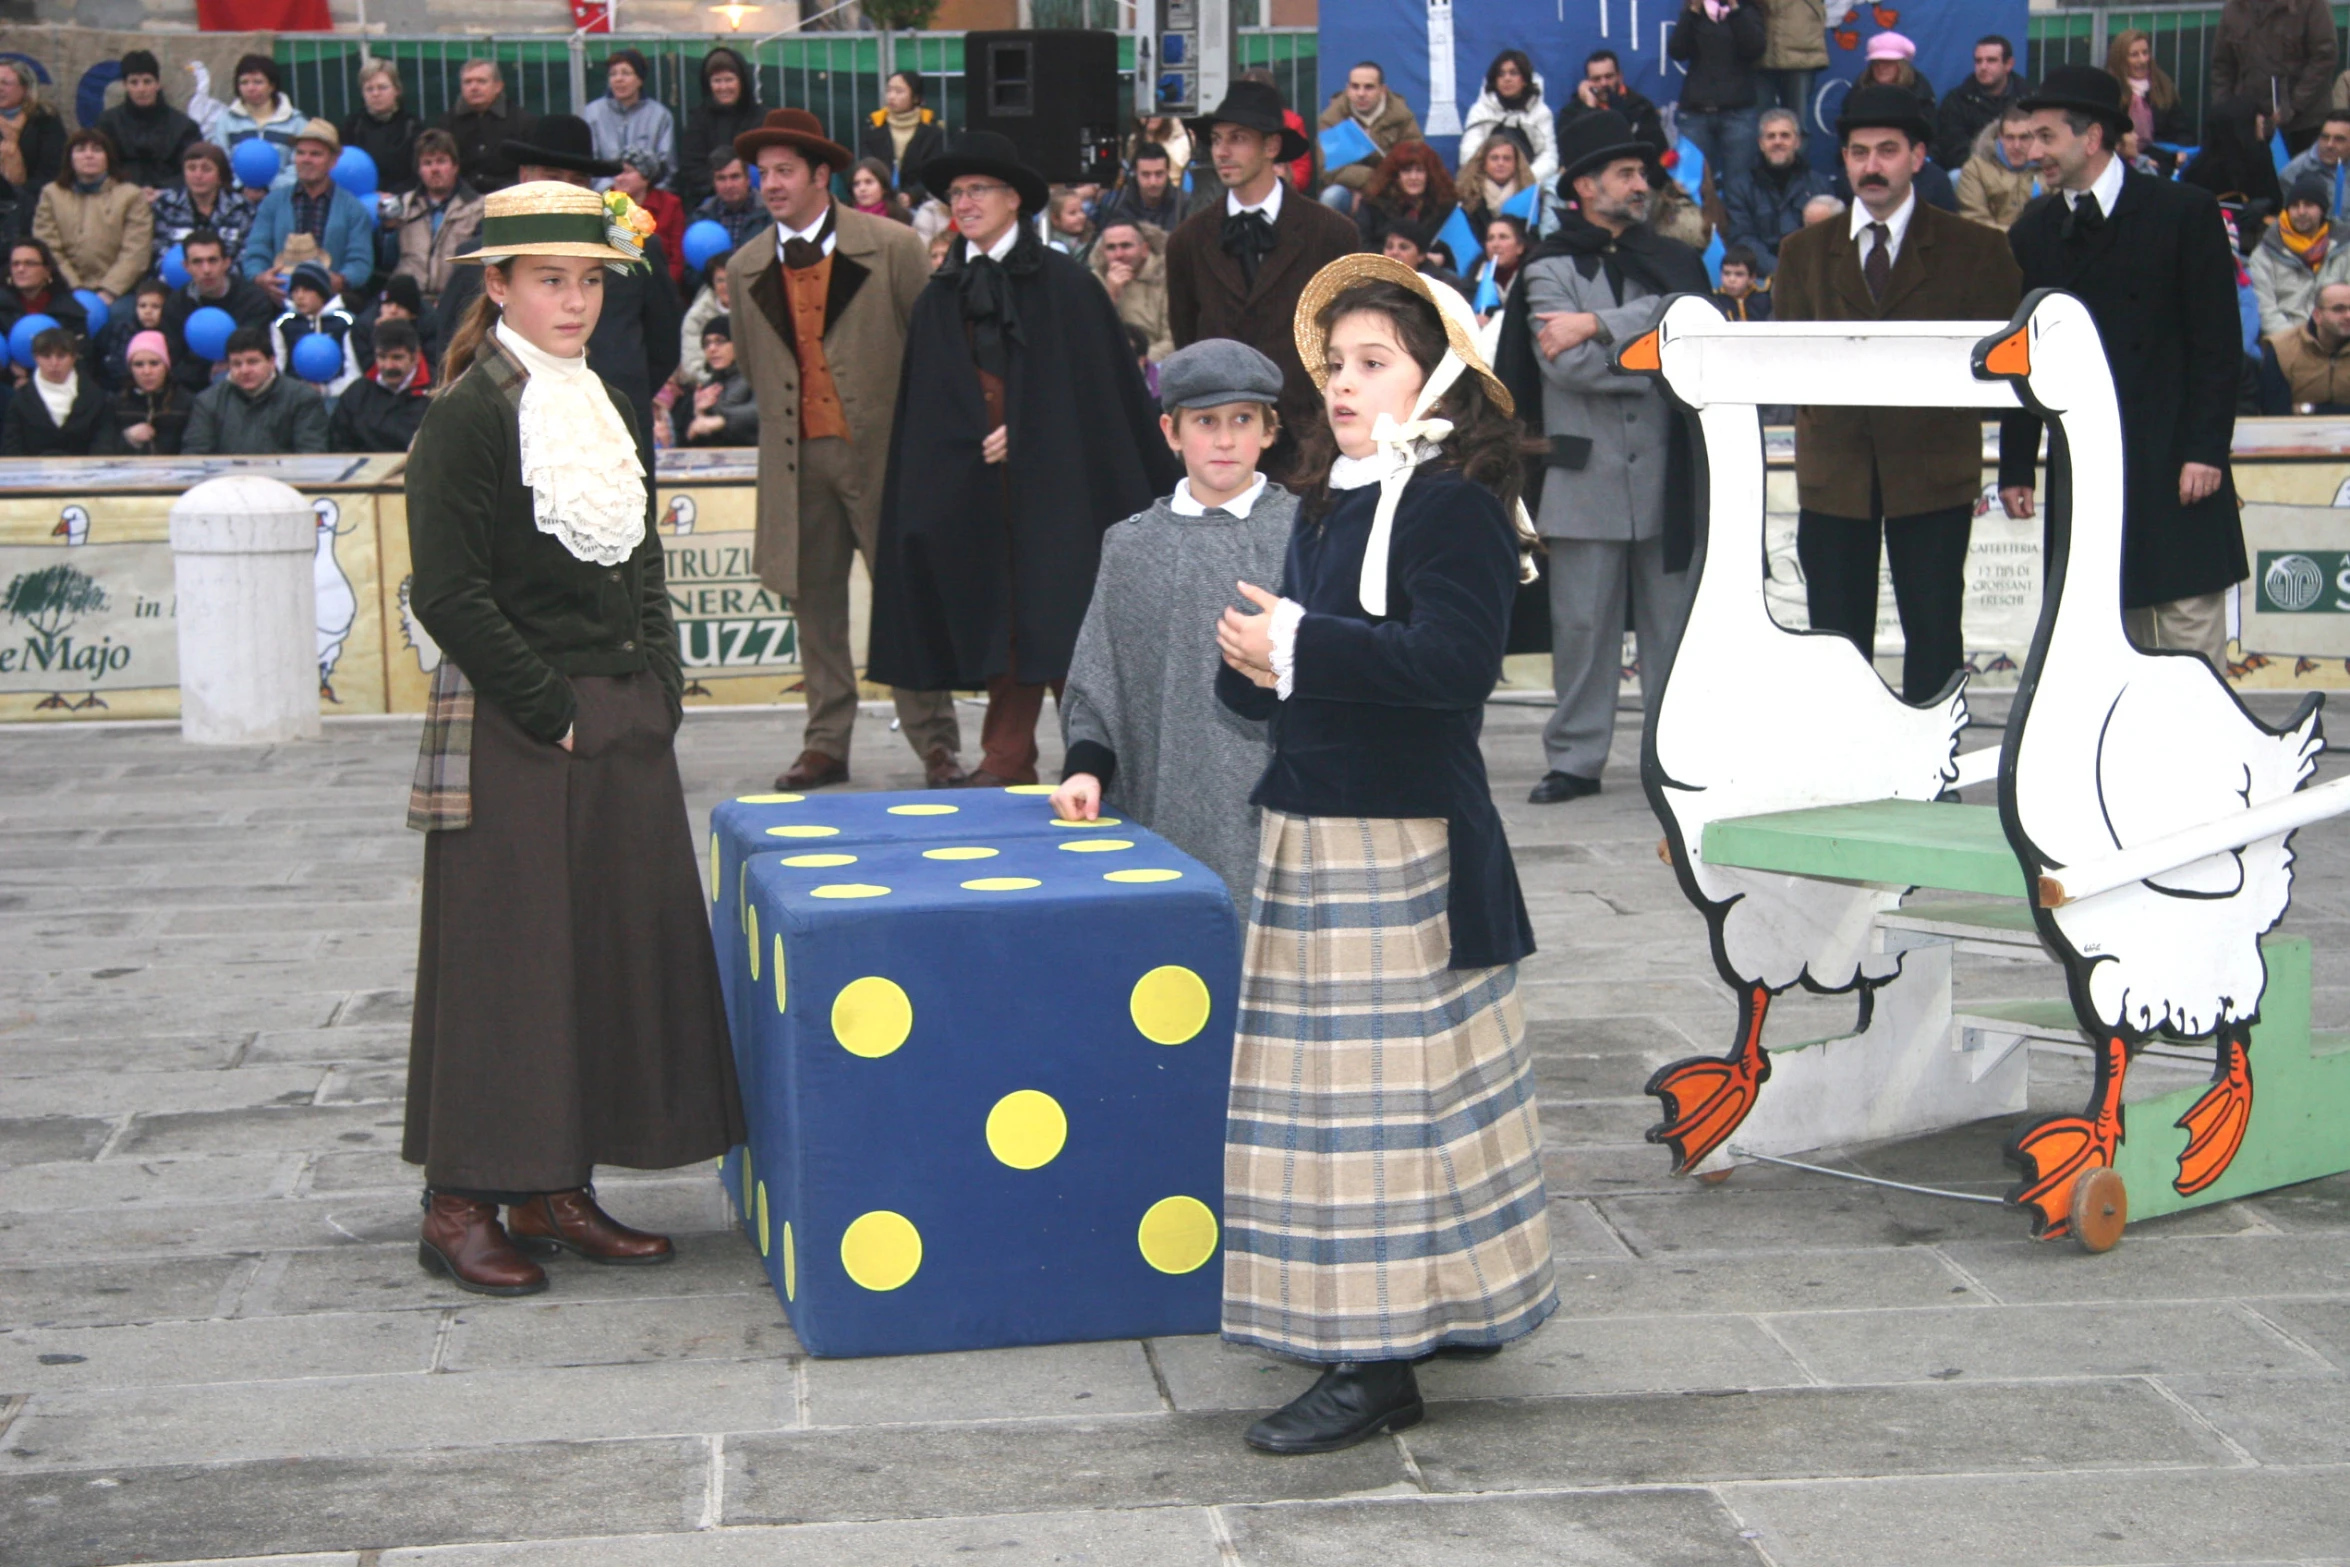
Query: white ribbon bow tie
{"x": 1406, "y": 446}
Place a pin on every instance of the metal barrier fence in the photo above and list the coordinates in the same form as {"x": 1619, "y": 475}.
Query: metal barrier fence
{"x": 2181, "y": 34}
{"x": 838, "y": 77}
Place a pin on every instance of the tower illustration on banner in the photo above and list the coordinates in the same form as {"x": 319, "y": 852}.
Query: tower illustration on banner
{"x": 1444, "y": 115}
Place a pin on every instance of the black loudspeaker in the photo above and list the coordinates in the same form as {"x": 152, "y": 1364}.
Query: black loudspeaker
{"x": 1054, "y": 92}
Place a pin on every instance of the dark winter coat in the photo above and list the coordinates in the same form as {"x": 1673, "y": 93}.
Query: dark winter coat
{"x": 1719, "y": 57}
{"x": 1647, "y": 124}
{"x": 246, "y": 304}
{"x": 391, "y": 143}
{"x": 2161, "y": 285}
{"x": 371, "y": 417}
{"x": 148, "y": 142}
{"x": 1384, "y": 714}
{"x": 61, "y": 307}
{"x": 43, "y": 144}
{"x": 711, "y": 127}
{"x": 1767, "y": 206}
{"x": 975, "y": 559}
{"x": 2276, "y": 51}
{"x": 927, "y": 142}
{"x": 167, "y": 411}
{"x": 285, "y": 416}
{"x": 31, "y": 432}
{"x": 1965, "y": 110}
{"x": 481, "y": 142}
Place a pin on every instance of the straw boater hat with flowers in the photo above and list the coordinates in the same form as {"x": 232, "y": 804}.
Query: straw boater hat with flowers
{"x": 554, "y": 218}
{"x": 1404, "y": 446}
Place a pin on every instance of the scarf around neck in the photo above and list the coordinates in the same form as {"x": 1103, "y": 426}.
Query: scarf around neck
{"x": 902, "y": 127}
{"x": 58, "y": 399}
{"x": 984, "y": 287}
{"x": 2309, "y": 248}
{"x": 587, "y": 485}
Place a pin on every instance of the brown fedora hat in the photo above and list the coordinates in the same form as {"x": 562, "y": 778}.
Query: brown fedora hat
{"x": 798, "y": 130}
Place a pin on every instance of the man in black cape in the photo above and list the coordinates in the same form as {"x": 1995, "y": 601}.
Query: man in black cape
{"x": 1023, "y": 432}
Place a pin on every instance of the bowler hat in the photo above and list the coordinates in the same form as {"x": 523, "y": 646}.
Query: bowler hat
{"x": 798, "y": 130}
{"x": 1873, "y": 106}
{"x": 560, "y": 141}
{"x": 1254, "y": 106}
{"x": 1590, "y": 142}
{"x": 2083, "y": 89}
{"x": 989, "y": 153}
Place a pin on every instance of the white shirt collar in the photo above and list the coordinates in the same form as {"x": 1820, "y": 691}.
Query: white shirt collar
{"x": 2107, "y": 190}
{"x": 1270, "y": 206}
{"x": 1184, "y": 506}
{"x": 1896, "y": 226}
{"x": 785, "y": 233}
{"x": 1003, "y": 243}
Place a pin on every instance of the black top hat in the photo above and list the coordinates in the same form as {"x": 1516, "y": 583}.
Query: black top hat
{"x": 1875, "y": 106}
{"x": 2084, "y": 89}
{"x": 560, "y": 141}
{"x": 1591, "y": 142}
{"x": 1254, "y": 106}
{"x": 989, "y": 153}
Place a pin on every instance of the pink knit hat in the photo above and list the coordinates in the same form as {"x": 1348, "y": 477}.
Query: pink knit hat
{"x": 148, "y": 343}
{"x": 1891, "y": 46}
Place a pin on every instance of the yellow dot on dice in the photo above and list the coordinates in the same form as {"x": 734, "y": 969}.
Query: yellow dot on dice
{"x": 872, "y": 1017}
{"x": 1170, "y": 1004}
{"x": 803, "y": 830}
{"x": 848, "y": 889}
{"x": 1002, "y": 884}
{"x": 765, "y": 1235}
{"x": 881, "y": 1250}
{"x": 1177, "y": 1235}
{"x": 1097, "y": 845}
{"x": 791, "y": 1265}
{"x": 924, "y": 810}
{"x": 1099, "y": 821}
{"x": 752, "y": 929}
{"x": 1142, "y": 873}
{"x": 746, "y": 1182}
{"x": 970, "y": 853}
{"x": 1028, "y": 789}
{"x": 769, "y": 799}
{"x": 1026, "y": 1129}
{"x": 779, "y": 1003}
{"x": 716, "y": 891}
{"x": 818, "y": 862}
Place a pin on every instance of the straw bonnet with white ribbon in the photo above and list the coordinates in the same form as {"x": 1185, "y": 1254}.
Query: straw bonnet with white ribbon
{"x": 1406, "y": 445}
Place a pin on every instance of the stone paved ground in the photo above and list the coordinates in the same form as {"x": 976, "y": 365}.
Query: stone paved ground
{"x": 215, "y": 1341}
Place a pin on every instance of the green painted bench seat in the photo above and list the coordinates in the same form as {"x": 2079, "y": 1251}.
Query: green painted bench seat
{"x": 1911, "y": 843}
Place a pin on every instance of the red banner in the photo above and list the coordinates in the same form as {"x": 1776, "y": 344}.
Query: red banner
{"x": 591, "y": 16}
{"x": 281, "y": 16}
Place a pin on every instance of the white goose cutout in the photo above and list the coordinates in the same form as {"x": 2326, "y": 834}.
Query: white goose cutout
{"x": 1754, "y": 718}
{"x": 2111, "y": 749}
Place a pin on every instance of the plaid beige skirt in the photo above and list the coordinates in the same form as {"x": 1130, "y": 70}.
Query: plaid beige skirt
{"x": 1382, "y": 1164}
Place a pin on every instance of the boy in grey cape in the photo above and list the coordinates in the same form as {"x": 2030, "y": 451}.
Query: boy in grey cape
{"x": 1140, "y": 719}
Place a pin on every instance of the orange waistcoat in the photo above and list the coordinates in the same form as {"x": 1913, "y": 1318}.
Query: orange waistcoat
{"x": 820, "y": 410}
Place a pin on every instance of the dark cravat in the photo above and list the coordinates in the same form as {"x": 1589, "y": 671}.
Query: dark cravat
{"x": 2086, "y": 218}
{"x": 1248, "y": 239}
{"x": 1877, "y": 267}
{"x": 801, "y": 254}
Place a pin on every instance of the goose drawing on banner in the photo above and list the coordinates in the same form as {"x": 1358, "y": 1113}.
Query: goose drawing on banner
{"x": 1754, "y": 718}
{"x": 679, "y": 517}
{"x": 412, "y": 632}
{"x": 338, "y": 604}
{"x": 73, "y": 526}
{"x": 2112, "y": 747}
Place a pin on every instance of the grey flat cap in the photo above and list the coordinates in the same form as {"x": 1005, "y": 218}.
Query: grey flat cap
{"x": 1216, "y": 371}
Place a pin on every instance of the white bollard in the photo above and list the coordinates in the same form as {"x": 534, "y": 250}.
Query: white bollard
{"x": 242, "y": 548}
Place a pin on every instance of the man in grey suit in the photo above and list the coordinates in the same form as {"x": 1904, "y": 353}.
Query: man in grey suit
{"x": 1600, "y": 281}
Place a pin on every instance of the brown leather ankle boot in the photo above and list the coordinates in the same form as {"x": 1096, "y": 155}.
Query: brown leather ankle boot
{"x": 464, "y": 1240}
{"x": 570, "y": 1221}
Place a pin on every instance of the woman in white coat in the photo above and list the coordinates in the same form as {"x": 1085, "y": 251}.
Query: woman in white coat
{"x": 1513, "y": 98}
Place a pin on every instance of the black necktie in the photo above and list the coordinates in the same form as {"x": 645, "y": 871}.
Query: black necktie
{"x": 2086, "y": 218}
{"x": 1877, "y": 267}
{"x": 801, "y": 254}
{"x": 1249, "y": 239}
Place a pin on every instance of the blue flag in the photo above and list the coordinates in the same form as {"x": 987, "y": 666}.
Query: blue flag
{"x": 1525, "y": 204}
{"x": 1346, "y": 142}
{"x": 1460, "y": 239}
{"x": 1488, "y": 294}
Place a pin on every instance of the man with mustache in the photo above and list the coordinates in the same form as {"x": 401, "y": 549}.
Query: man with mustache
{"x": 1907, "y": 477}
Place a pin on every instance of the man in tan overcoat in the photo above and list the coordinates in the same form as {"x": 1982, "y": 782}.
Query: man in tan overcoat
{"x": 821, "y": 305}
{"x": 1907, "y": 477}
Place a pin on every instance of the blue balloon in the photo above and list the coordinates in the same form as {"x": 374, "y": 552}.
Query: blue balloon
{"x": 174, "y": 267}
{"x": 355, "y": 172}
{"x": 93, "y": 305}
{"x": 704, "y": 239}
{"x": 318, "y": 357}
{"x": 255, "y": 162}
{"x": 207, "y": 330}
{"x": 21, "y": 335}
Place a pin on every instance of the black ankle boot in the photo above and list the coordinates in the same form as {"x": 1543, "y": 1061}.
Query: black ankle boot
{"x": 1353, "y": 1401}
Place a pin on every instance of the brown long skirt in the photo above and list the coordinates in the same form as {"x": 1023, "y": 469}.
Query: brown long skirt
{"x": 567, "y": 1003}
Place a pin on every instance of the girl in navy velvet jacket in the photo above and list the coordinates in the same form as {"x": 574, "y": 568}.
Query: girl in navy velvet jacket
{"x": 1383, "y": 1182}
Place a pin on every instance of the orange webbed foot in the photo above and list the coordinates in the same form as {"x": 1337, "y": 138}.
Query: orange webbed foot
{"x": 2055, "y": 1153}
{"x": 2215, "y": 1123}
{"x": 1706, "y": 1097}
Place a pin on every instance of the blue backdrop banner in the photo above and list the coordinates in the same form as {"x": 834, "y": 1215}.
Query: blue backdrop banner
{"x": 1409, "y": 39}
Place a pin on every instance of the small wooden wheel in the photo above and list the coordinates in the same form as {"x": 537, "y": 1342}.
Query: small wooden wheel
{"x": 1717, "y": 1177}
{"x": 2101, "y": 1206}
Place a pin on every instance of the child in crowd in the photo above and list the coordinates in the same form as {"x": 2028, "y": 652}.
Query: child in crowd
{"x": 1738, "y": 297}
{"x": 312, "y": 305}
{"x": 144, "y": 313}
{"x": 1383, "y": 1197}
{"x": 1140, "y": 717}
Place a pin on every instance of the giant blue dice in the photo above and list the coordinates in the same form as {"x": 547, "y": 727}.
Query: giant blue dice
{"x": 986, "y": 1079}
